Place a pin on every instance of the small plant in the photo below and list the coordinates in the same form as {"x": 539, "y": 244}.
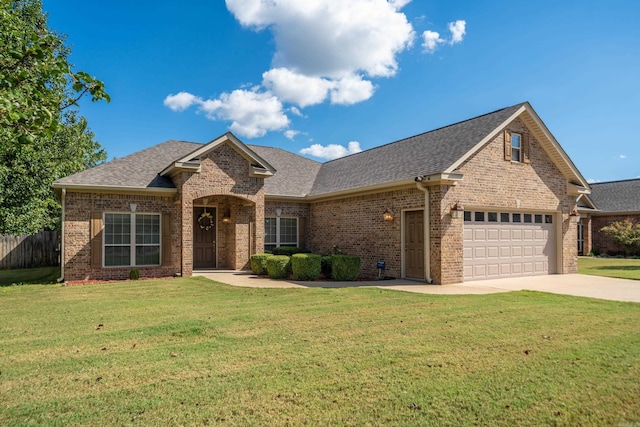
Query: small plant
{"x": 279, "y": 266}
{"x": 134, "y": 274}
{"x": 345, "y": 268}
{"x": 306, "y": 266}
{"x": 259, "y": 263}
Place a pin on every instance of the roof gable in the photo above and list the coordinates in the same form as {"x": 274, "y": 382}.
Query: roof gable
{"x": 260, "y": 167}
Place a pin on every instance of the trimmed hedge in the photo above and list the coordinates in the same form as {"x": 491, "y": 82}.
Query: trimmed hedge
{"x": 287, "y": 250}
{"x": 259, "y": 263}
{"x": 306, "y": 266}
{"x": 345, "y": 268}
{"x": 325, "y": 266}
{"x": 279, "y": 266}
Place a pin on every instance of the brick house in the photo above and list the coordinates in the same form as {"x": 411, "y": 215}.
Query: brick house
{"x": 608, "y": 202}
{"x": 491, "y": 196}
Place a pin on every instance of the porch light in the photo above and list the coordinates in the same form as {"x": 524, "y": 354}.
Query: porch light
{"x": 456, "y": 211}
{"x": 226, "y": 218}
{"x": 574, "y": 215}
{"x": 387, "y": 216}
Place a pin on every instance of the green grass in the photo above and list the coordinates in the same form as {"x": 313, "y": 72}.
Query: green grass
{"x": 196, "y": 352}
{"x": 610, "y": 267}
{"x": 29, "y": 275}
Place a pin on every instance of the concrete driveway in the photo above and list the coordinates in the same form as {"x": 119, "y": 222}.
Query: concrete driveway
{"x": 565, "y": 284}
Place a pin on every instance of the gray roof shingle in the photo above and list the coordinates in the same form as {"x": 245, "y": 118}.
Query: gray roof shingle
{"x": 617, "y": 196}
{"x": 424, "y": 154}
{"x": 294, "y": 174}
{"x": 141, "y": 169}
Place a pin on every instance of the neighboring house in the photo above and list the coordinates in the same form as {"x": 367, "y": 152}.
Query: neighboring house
{"x": 608, "y": 202}
{"x": 487, "y": 197}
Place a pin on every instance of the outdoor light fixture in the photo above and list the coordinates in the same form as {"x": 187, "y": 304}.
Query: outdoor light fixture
{"x": 387, "y": 216}
{"x": 457, "y": 210}
{"x": 574, "y": 215}
{"x": 133, "y": 207}
{"x": 226, "y": 218}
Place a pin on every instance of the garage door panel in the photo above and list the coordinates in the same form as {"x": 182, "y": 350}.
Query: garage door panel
{"x": 505, "y": 248}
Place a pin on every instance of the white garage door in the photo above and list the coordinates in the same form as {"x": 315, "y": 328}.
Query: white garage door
{"x": 508, "y": 244}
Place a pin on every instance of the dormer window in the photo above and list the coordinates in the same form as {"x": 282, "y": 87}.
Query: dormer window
{"x": 516, "y": 147}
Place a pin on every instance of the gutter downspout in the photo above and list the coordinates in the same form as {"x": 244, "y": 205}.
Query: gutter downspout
{"x": 62, "y": 199}
{"x": 427, "y": 252}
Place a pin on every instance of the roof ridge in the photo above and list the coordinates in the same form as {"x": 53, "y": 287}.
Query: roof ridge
{"x": 429, "y": 131}
{"x": 615, "y": 181}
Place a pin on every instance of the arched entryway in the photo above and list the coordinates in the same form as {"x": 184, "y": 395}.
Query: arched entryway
{"x": 223, "y": 232}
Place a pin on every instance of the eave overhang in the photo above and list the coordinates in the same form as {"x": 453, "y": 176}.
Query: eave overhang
{"x": 90, "y": 188}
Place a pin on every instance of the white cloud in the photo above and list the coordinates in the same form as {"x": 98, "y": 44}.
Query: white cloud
{"x": 592, "y": 180}
{"x": 431, "y": 40}
{"x": 332, "y": 151}
{"x": 252, "y": 113}
{"x": 290, "y": 133}
{"x": 325, "y": 51}
{"x": 351, "y": 89}
{"x": 458, "y": 30}
{"x": 623, "y": 156}
{"x": 180, "y": 101}
{"x": 331, "y": 38}
{"x": 296, "y": 88}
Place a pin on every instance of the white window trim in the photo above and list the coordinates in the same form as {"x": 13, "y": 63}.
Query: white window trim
{"x": 132, "y": 242}
{"x": 278, "y": 243}
{"x": 518, "y": 149}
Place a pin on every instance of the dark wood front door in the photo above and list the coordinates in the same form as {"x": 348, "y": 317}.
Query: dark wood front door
{"x": 204, "y": 238}
{"x": 414, "y": 244}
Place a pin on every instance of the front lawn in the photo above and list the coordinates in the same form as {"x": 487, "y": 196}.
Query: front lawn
{"x": 29, "y": 275}
{"x": 196, "y": 352}
{"x": 610, "y": 267}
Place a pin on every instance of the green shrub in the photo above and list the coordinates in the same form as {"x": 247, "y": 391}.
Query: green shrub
{"x": 134, "y": 274}
{"x": 345, "y": 268}
{"x": 259, "y": 263}
{"x": 279, "y": 266}
{"x": 306, "y": 266}
{"x": 325, "y": 266}
{"x": 287, "y": 250}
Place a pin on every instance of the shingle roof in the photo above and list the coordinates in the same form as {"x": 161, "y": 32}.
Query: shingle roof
{"x": 424, "y": 154}
{"x": 140, "y": 169}
{"x": 617, "y": 196}
{"x": 294, "y": 174}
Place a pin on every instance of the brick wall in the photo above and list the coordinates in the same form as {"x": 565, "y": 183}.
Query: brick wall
{"x": 225, "y": 175}
{"x": 77, "y": 229}
{"x": 291, "y": 210}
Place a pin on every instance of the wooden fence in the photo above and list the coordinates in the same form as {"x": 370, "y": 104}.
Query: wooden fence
{"x": 38, "y": 250}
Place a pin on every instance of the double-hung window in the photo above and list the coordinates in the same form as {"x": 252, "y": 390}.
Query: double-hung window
{"x": 280, "y": 232}
{"x": 131, "y": 239}
{"x": 516, "y": 147}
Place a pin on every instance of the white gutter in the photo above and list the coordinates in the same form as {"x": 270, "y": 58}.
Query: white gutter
{"x": 426, "y": 227}
{"x": 62, "y": 198}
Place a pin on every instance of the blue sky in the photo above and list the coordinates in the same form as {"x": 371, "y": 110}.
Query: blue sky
{"x": 329, "y": 77}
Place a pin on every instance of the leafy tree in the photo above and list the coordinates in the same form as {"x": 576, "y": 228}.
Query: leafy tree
{"x": 626, "y": 233}
{"x": 27, "y": 201}
{"x": 42, "y": 138}
{"x": 36, "y": 79}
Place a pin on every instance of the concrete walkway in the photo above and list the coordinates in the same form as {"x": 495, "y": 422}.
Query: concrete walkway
{"x": 566, "y": 284}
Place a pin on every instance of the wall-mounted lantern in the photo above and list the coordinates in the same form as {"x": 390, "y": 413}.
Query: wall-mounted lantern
{"x": 574, "y": 215}
{"x": 226, "y": 217}
{"x": 457, "y": 211}
{"x": 387, "y": 216}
